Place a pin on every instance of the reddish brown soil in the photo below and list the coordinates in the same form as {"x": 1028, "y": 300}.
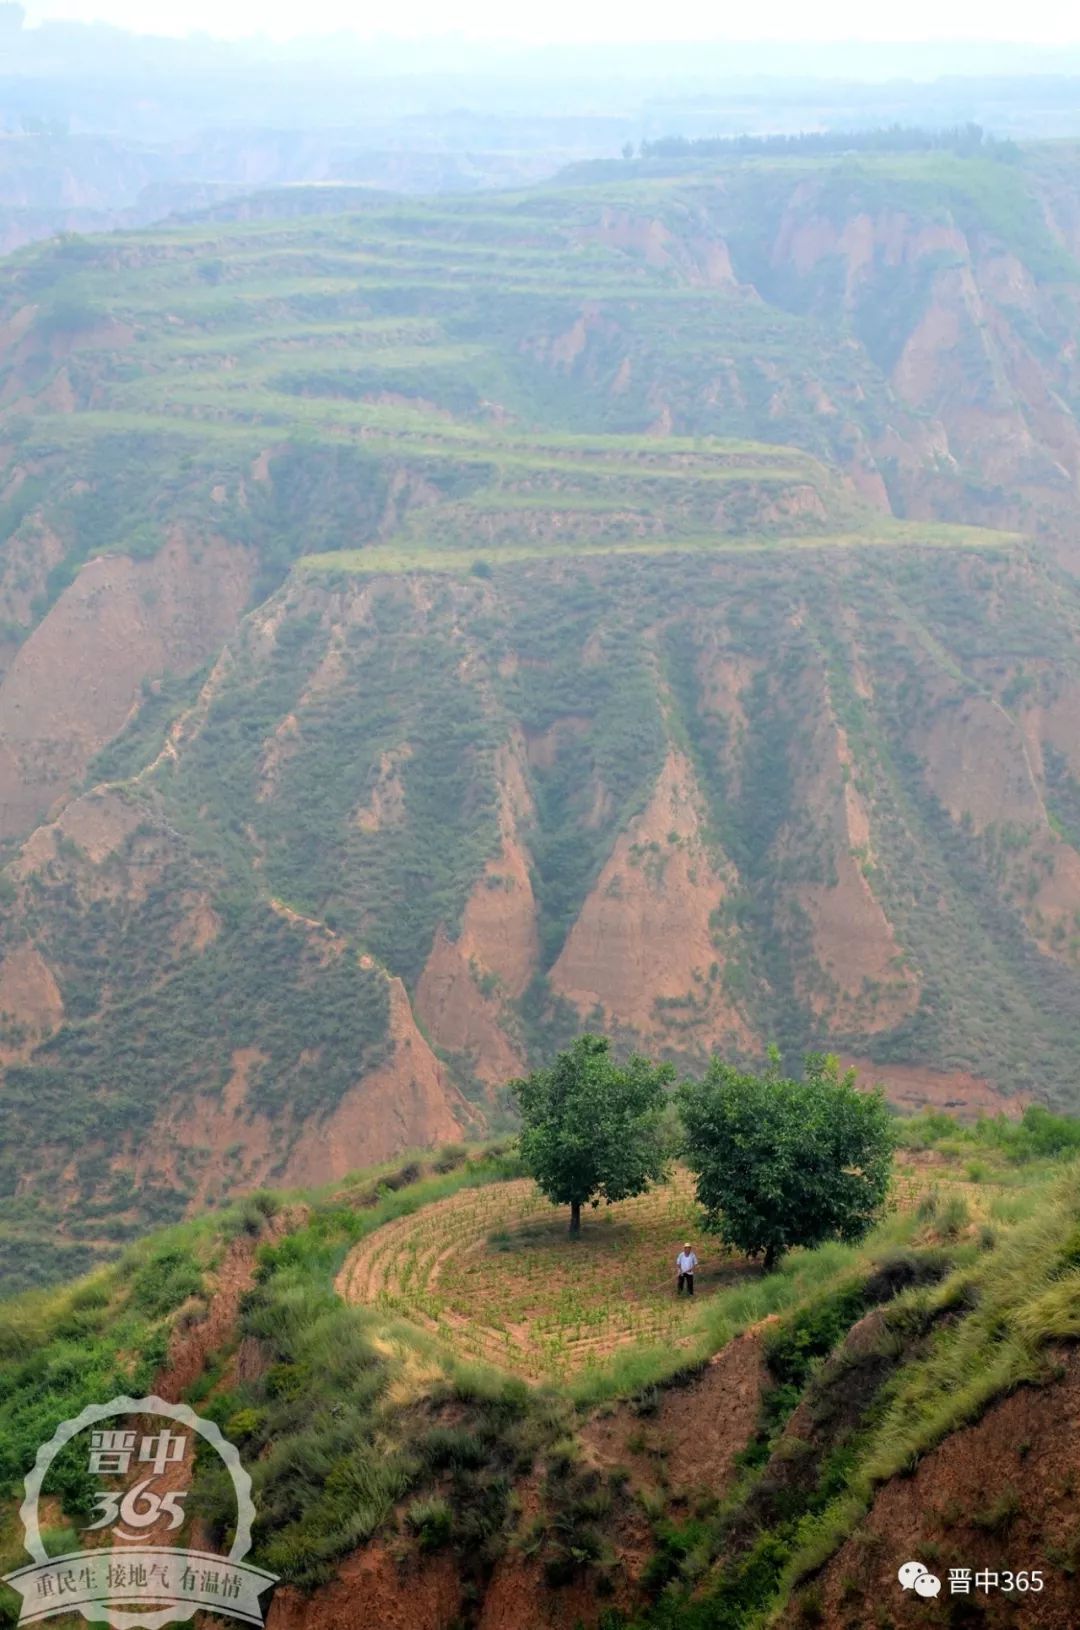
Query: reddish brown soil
{"x": 408, "y": 1102}
{"x": 1001, "y": 1494}
{"x": 977, "y": 763}
{"x": 373, "y": 1592}
{"x": 457, "y": 1013}
{"x": 75, "y": 680}
{"x": 693, "y": 1438}
{"x": 200, "y": 1332}
{"x": 462, "y": 994}
{"x": 29, "y": 556}
{"x": 644, "y": 937}
{"x": 857, "y": 980}
{"x": 386, "y": 805}
{"x": 192, "y": 1344}
{"x": 911, "y": 1087}
{"x": 519, "y": 1598}
{"x": 211, "y": 1125}
{"x": 29, "y": 996}
{"x": 98, "y": 823}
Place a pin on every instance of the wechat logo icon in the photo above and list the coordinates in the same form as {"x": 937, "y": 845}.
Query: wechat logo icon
{"x": 917, "y": 1577}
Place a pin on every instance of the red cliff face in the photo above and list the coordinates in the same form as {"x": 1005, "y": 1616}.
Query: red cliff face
{"x": 74, "y": 683}
{"x": 1019, "y": 1460}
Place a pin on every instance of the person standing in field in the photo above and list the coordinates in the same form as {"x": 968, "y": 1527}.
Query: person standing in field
{"x": 685, "y": 1263}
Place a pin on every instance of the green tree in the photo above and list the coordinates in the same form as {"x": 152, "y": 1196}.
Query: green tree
{"x": 593, "y": 1128}
{"x": 781, "y": 1162}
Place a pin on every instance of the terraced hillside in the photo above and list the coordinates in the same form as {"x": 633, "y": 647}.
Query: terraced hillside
{"x": 426, "y": 629}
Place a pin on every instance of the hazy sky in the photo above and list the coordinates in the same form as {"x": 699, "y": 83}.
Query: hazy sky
{"x": 1038, "y": 21}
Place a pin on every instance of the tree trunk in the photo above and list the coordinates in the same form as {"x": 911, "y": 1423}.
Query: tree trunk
{"x": 575, "y": 1218}
{"x": 770, "y": 1259}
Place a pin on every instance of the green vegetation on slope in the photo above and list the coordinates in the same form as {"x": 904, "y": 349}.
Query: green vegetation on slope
{"x": 360, "y": 1422}
{"x": 532, "y": 345}
{"x": 350, "y": 694}
{"x": 515, "y": 474}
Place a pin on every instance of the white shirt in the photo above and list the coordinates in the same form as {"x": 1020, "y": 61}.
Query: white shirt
{"x": 686, "y": 1261}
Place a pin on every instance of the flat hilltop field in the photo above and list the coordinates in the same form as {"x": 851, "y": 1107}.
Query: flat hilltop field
{"x": 491, "y": 1272}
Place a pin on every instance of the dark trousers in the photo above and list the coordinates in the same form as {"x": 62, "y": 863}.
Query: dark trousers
{"x": 686, "y": 1279}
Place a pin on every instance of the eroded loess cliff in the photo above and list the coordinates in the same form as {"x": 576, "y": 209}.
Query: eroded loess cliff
{"x": 415, "y": 831}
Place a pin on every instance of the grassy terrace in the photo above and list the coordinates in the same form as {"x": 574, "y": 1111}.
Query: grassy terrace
{"x": 886, "y": 534}
{"x": 489, "y": 378}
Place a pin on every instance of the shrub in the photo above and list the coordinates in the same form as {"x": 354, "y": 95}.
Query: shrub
{"x": 452, "y": 1446}
{"x": 999, "y": 1517}
{"x": 432, "y": 1521}
{"x": 164, "y": 1282}
{"x": 246, "y": 1423}
{"x": 953, "y": 1217}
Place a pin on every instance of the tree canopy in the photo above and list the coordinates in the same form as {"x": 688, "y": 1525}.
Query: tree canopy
{"x": 781, "y": 1162}
{"x": 967, "y": 140}
{"x": 592, "y": 1127}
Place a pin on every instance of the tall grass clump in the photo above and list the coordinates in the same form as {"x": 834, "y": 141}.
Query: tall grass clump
{"x": 992, "y": 1321}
